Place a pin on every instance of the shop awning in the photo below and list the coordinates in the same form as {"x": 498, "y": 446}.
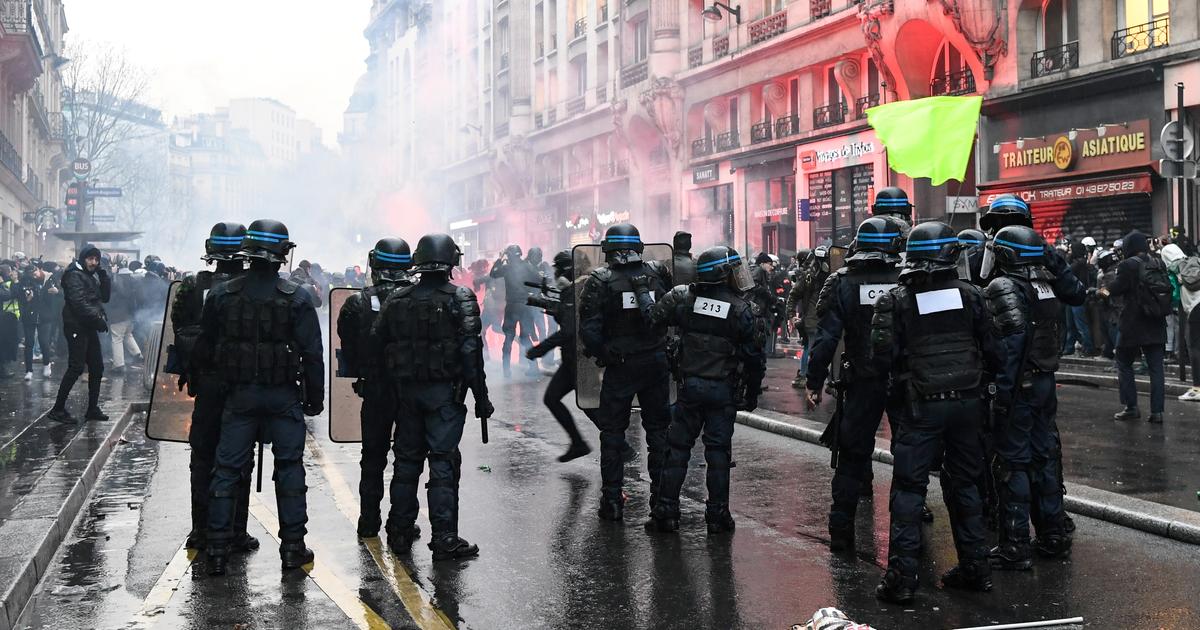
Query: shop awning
{"x": 765, "y": 157}
{"x": 1137, "y": 183}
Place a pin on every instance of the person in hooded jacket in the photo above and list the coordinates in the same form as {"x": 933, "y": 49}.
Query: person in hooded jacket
{"x": 87, "y": 287}
{"x": 683, "y": 267}
{"x": 1138, "y": 333}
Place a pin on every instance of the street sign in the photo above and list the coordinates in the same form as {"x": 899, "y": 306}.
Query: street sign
{"x": 81, "y": 167}
{"x": 1170, "y": 146}
{"x": 1177, "y": 169}
{"x": 104, "y": 218}
{"x": 105, "y": 192}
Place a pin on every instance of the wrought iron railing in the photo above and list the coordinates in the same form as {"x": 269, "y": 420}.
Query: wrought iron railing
{"x": 1056, "y": 59}
{"x": 829, "y": 115}
{"x": 39, "y": 106}
{"x": 603, "y": 11}
{"x": 1140, "y": 38}
{"x": 695, "y": 56}
{"x": 581, "y": 177}
{"x": 702, "y": 147}
{"x": 787, "y": 126}
{"x": 17, "y": 17}
{"x": 819, "y": 8}
{"x": 581, "y": 27}
{"x": 954, "y": 84}
{"x": 540, "y": 47}
{"x": 538, "y": 121}
{"x": 601, "y": 94}
{"x": 634, "y": 74}
{"x": 728, "y": 140}
{"x": 575, "y": 106}
{"x": 503, "y": 60}
{"x": 617, "y": 168}
{"x": 551, "y": 116}
{"x": 863, "y": 103}
{"x": 768, "y": 27}
{"x": 720, "y": 46}
{"x": 32, "y": 184}
{"x": 57, "y": 125}
{"x": 550, "y": 184}
{"x": 9, "y": 157}
{"x": 761, "y": 132}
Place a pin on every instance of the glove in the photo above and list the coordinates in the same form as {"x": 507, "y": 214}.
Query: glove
{"x": 183, "y": 380}
{"x": 314, "y": 408}
{"x": 813, "y": 399}
{"x": 1056, "y": 263}
{"x": 641, "y": 282}
{"x": 484, "y": 408}
{"x": 750, "y": 403}
{"x": 536, "y": 352}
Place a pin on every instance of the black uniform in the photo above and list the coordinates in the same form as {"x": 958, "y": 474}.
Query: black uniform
{"x": 719, "y": 365}
{"x": 266, "y": 344}
{"x": 516, "y": 273}
{"x": 209, "y": 389}
{"x": 362, "y": 359}
{"x": 615, "y": 328}
{"x": 844, "y": 309}
{"x": 430, "y": 336}
{"x": 933, "y": 334}
{"x": 563, "y": 381}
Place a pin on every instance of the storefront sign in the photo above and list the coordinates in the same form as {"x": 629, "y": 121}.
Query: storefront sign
{"x": 839, "y": 152}
{"x": 705, "y": 174}
{"x": 608, "y": 218}
{"x": 1081, "y": 150}
{"x": 961, "y": 205}
{"x": 1066, "y": 191}
{"x": 773, "y": 212}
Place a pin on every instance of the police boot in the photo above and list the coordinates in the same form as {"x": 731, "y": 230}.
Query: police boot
{"x": 1011, "y": 556}
{"x": 218, "y": 560}
{"x": 841, "y": 535}
{"x": 294, "y": 554}
{"x": 368, "y": 524}
{"x": 662, "y": 520}
{"x": 451, "y": 547}
{"x": 896, "y": 588}
{"x": 719, "y": 520}
{"x": 400, "y": 539}
{"x": 969, "y": 575}
{"x": 612, "y": 509}
{"x": 1053, "y": 545}
{"x": 196, "y": 539}
{"x": 244, "y": 543}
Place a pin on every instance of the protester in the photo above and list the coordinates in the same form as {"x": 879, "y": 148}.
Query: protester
{"x": 87, "y": 287}
{"x": 1182, "y": 269}
{"x": 1077, "y": 325}
{"x": 34, "y": 318}
{"x": 120, "y": 309}
{"x": 1143, "y": 324}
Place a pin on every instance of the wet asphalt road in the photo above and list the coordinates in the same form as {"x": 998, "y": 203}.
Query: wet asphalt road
{"x": 548, "y": 562}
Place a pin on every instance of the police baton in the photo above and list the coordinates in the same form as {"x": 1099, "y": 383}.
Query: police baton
{"x": 483, "y": 429}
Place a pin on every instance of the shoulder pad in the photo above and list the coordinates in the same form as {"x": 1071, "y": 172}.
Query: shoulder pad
{"x": 603, "y": 274}
{"x": 463, "y": 294}
{"x": 448, "y": 288}
{"x": 286, "y": 287}
{"x": 235, "y": 285}
{"x": 841, "y": 272}
{"x": 828, "y": 295}
{"x": 1003, "y": 296}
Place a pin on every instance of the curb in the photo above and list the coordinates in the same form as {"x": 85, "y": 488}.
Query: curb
{"x": 1161, "y": 520}
{"x": 1172, "y": 387}
{"x": 30, "y": 574}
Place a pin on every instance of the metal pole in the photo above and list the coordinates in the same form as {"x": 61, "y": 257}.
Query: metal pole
{"x": 1181, "y": 184}
{"x": 1049, "y": 623}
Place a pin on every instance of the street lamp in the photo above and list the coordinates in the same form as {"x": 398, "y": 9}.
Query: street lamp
{"x": 713, "y": 13}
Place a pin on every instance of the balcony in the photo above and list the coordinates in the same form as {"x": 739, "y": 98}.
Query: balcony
{"x": 10, "y": 158}
{"x": 540, "y": 49}
{"x": 1052, "y": 60}
{"x": 575, "y": 106}
{"x": 702, "y": 147}
{"x": 550, "y": 184}
{"x": 761, "y": 132}
{"x": 634, "y": 74}
{"x": 580, "y": 27}
{"x": 57, "y": 126}
{"x": 551, "y": 116}
{"x": 581, "y": 177}
{"x": 768, "y": 27}
{"x": 538, "y": 121}
{"x": 829, "y": 115}
{"x": 33, "y": 185}
{"x": 20, "y": 47}
{"x": 818, "y": 9}
{"x": 39, "y": 107}
{"x": 1141, "y": 38}
{"x": 787, "y": 126}
{"x": 504, "y": 61}
{"x": 614, "y": 169}
{"x": 602, "y": 94}
{"x": 695, "y": 56}
{"x": 863, "y": 103}
{"x": 553, "y": 44}
{"x": 720, "y": 46}
{"x": 728, "y": 141}
{"x": 603, "y": 13}
{"x": 954, "y": 84}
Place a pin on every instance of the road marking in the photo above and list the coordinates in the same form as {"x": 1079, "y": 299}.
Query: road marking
{"x": 357, "y": 610}
{"x": 416, "y": 601}
{"x": 160, "y": 595}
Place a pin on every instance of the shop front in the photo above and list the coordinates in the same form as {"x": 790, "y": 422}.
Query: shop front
{"x": 837, "y": 181}
{"x": 1096, "y": 181}
{"x": 769, "y": 193}
{"x": 708, "y": 208}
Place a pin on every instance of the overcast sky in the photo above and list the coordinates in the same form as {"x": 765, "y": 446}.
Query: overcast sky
{"x": 306, "y": 53}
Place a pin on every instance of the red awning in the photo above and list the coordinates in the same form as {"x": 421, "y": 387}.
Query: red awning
{"x": 1067, "y": 190}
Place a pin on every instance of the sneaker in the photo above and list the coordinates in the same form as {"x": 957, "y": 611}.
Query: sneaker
{"x": 1191, "y": 395}
{"x": 60, "y": 415}
{"x": 28, "y": 376}
{"x": 95, "y": 414}
{"x": 576, "y": 450}
{"x": 1155, "y": 418}
{"x": 1128, "y": 413}
{"x": 48, "y": 371}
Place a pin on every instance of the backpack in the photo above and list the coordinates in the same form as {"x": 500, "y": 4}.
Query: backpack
{"x": 1189, "y": 273}
{"x": 1154, "y": 291}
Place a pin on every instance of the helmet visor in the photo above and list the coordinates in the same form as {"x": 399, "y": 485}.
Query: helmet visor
{"x": 740, "y": 278}
{"x": 989, "y": 262}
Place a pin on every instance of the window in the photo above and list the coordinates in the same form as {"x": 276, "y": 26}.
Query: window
{"x": 872, "y": 81}
{"x": 833, "y": 90}
{"x": 1057, "y": 24}
{"x": 794, "y": 96}
{"x": 774, "y": 6}
{"x": 641, "y": 41}
{"x": 581, "y": 77}
{"x": 1136, "y": 12}
{"x": 733, "y": 115}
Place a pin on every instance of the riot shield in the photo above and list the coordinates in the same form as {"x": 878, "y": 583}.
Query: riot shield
{"x": 344, "y": 404}
{"x": 588, "y": 375}
{"x": 169, "y": 417}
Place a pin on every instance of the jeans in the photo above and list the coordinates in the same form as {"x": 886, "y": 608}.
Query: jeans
{"x": 1193, "y": 327}
{"x": 43, "y": 332}
{"x": 83, "y": 352}
{"x": 1077, "y": 330}
{"x": 1128, "y": 386}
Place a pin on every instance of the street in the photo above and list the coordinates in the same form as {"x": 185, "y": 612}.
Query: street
{"x": 547, "y": 562}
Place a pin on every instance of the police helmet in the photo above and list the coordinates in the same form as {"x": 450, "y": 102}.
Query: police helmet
{"x": 266, "y": 239}
{"x": 224, "y": 241}
{"x": 721, "y": 265}
{"x": 893, "y": 201}
{"x": 622, "y": 236}
{"x": 933, "y": 241}
{"x": 1018, "y": 246}
{"x": 390, "y": 253}
{"x": 436, "y": 252}
{"x": 877, "y": 234}
{"x": 1006, "y": 210}
{"x": 972, "y": 238}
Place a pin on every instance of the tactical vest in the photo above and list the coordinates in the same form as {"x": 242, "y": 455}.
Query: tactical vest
{"x": 868, "y": 283}
{"x": 424, "y": 331}
{"x": 707, "y": 334}
{"x": 372, "y": 298}
{"x": 624, "y": 327}
{"x": 1045, "y": 321}
{"x": 942, "y": 354}
{"x": 255, "y": 341}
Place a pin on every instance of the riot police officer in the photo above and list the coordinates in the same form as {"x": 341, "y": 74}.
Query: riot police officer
{"x": 974, "y": 241}
{"x": 389, "y": 263}
{"x": 801, "y": 303}
{"x": 1028, "y": 318}
{"x": 563, "y": 381}
{"x": 430, "y": 335}
{"x": 933, "y": 334}
{"x": 615, "y": 329}
{"x": 719, "y": 366}
{"x": 205, "y": 384}
{"x": 893, "y": 202}
{"x": 844, "y": 308}
{"x": 265, "y": 341}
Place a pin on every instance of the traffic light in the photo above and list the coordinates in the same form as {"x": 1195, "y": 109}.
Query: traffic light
{"x": 76, "y": 198}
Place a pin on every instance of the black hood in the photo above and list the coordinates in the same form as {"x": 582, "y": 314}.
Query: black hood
{"x": 1135, "y": 243}
{"x": 87, "y": 251}
{"x": 682, "y": 243}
